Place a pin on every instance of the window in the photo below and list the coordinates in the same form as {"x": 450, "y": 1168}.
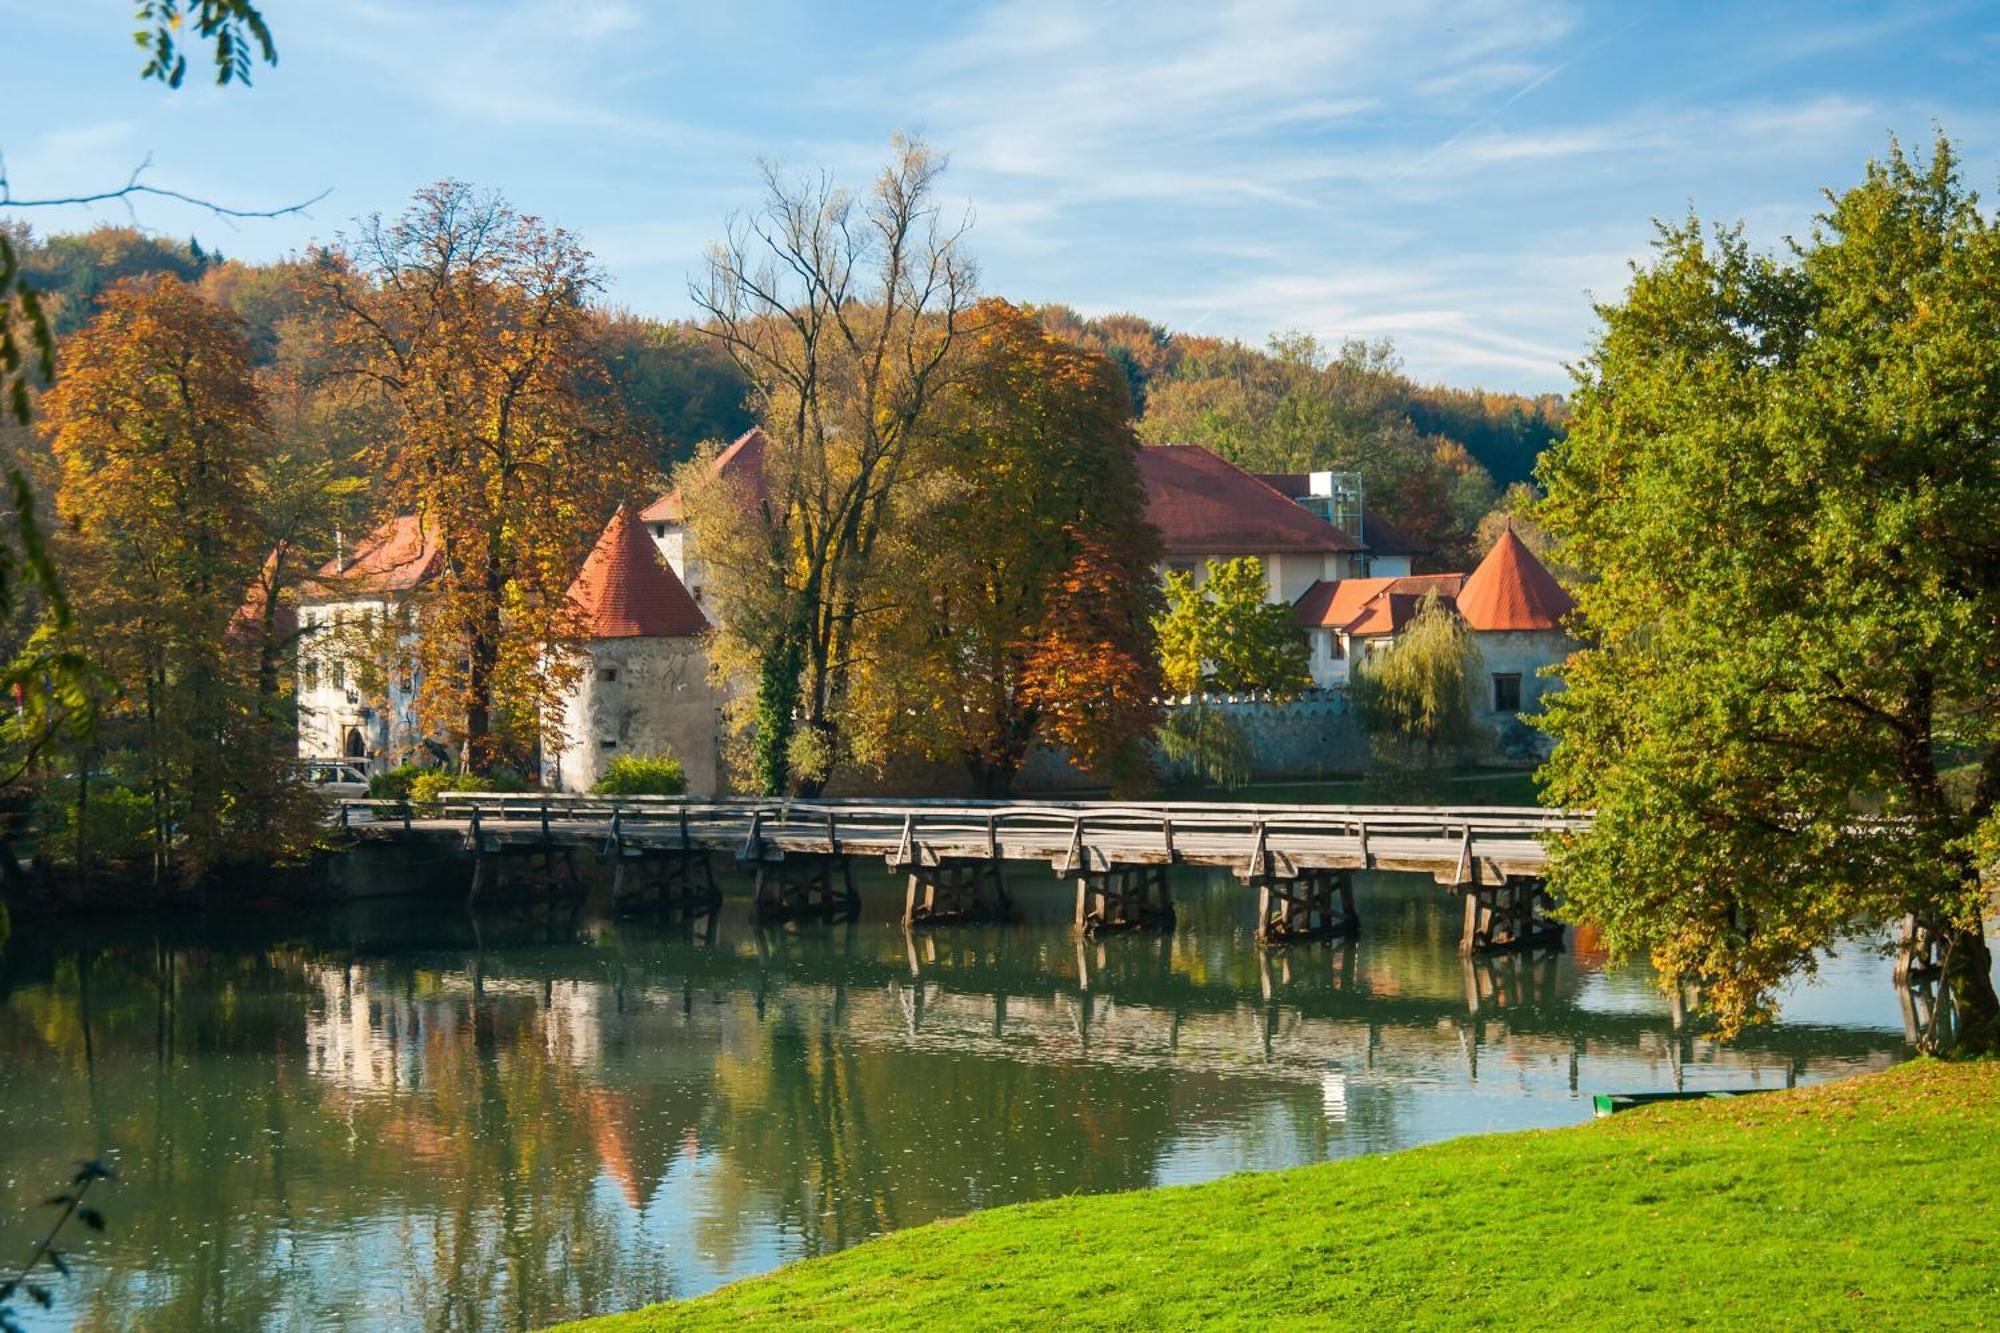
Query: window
{"x": 309, "y": 673}
{"x": 339, "y": 673}
{"x": 609, "y": 675}
{"x": 607, "y": 745}
{"x": 1506, "y": 691}
{"x": 1336, "y": 646}
{"x": 407, "y": 682}
{"x": 659, "y": 529}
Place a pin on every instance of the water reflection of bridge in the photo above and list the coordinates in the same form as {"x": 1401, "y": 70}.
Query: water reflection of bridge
{"x": 1307, "y": 1004}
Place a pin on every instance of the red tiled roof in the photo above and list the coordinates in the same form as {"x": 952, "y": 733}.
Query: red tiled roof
{"x": 395, "y": 557}
{"x": 626, "y": 591}
{"x": 1364, "y": 607}
{"x": 744, "y": 459}
{"x": 1205, "y": 505}
{"x": 1512, "y": 591}
{"x": 1378, "y": 534}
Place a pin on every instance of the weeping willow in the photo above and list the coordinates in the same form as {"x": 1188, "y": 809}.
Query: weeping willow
{"x": 1412, "y": 698}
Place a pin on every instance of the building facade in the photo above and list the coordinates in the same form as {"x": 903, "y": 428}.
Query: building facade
{"x": 643, "y": 687}
{"x": 357, "y": 684}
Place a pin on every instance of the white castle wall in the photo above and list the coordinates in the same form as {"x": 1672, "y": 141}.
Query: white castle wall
{"x": 639, "y": 696}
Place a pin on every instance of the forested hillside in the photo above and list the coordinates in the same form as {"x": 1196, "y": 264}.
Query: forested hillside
{"x": 1436, "y": 459}
{"x": 676, "y": 382}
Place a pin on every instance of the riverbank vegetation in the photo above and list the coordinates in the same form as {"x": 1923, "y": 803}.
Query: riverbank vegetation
{"x": 1845, "y": 1205}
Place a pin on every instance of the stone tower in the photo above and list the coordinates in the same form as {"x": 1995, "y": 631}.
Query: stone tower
{"x": 644, "y": 686}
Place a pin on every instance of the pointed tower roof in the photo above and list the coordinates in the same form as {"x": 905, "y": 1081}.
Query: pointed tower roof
{"x": 626, "y": 591}
{"x": 1512, "y": 591}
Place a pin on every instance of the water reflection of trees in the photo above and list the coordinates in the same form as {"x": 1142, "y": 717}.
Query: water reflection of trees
{"x": 596, "y": 1116}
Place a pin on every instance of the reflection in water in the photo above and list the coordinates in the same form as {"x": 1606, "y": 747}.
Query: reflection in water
{"x": 398, "y": 1119}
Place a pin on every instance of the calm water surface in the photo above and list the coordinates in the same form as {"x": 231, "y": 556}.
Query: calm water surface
{"x": 395, "y": 1116}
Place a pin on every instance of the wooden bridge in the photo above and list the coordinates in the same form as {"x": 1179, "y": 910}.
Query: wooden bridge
{"x": 1299, "y": 859}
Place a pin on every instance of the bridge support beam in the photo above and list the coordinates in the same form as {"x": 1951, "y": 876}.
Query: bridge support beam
{"x": 1124, "y": 898}
{"x": 957, "y": 889}
{"x": 1508, "y": 915}
{"x": 1316, "y": 905}
{"x": 674, "y": 880}
{"x": 807, "y": 885}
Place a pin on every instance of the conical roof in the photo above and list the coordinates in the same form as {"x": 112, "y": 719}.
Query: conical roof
{"x": 626, "y": 591}
{"x": 1511, "y": 590}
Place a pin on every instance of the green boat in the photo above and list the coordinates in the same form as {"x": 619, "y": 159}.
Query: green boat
{"x": 1610, "y": 1103}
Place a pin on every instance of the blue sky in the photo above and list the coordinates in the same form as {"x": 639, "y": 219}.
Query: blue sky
{"x": 1457, "y": 177}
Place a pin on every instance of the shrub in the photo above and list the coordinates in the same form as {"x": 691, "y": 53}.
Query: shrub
{"x": 395, "y": 784}
{"x": 432, "y": 783}
{"x": 117, "y": 823}
{"x": 642, "y": 775}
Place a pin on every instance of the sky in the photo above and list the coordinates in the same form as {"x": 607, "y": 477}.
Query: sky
{"x": 1461, "y": 178}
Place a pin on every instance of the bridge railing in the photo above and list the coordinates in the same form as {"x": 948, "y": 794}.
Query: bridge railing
{"x": 929, "y": 819}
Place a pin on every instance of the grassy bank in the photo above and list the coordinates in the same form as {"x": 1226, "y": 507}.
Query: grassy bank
{"x": 1865, "y": 1203}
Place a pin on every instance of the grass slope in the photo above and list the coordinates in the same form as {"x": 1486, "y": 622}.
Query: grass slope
{"x": 1864, "y": 1203}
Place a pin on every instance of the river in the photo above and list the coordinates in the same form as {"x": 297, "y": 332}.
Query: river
{"x": 392, "y": 1115}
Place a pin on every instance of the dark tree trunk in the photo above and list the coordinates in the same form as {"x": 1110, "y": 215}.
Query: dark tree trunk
{"x": 1968, "y": 980}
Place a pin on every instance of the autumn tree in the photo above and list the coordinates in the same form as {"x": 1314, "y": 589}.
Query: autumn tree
{"x": 471, "y": 323}
{"x": 1029, "y": 453}
{"x": 1092, "y": 671}
{"x": 842, "y": 312}
{"x": 161, "y": 438}
{"x": 1782, "y": 480}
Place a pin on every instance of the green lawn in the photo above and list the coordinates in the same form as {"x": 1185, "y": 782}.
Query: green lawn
{"x": 1863, "y": 1204}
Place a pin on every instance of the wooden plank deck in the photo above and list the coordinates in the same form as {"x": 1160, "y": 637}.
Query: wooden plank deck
{"x": 1456, "y": 845}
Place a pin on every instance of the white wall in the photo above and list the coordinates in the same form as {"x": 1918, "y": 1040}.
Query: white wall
{"x": 331, "y": 639}
{"x": 660, "y": 701}
{"x": 1525, "y": 653}
{"x": 1389, "y": 567}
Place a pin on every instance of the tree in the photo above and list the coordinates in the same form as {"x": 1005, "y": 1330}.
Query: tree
{"x": 1029, "y": 452}
{"x": 160, "y": 435}
{"x": 843, "y": 314}
{"x": 1412, "y": 696}
{"x": 1092, "y": 670}
{"x": 1223, "y": 635}
{"x": 1782, "y": 479}
{"x": 469, "y": 321}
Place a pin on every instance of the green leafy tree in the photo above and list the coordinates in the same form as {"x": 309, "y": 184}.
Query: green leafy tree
{"x": 1783, "y": 480}
{"x": 1412, "y": 696}
{"x": 1222, "y": 635}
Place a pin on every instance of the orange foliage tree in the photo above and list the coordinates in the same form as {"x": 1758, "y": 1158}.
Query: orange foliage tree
{"x": 471, "y": 321}
{"x": 162, "y": 439}
{"x": 1092, "y": 669}
{"x": 1030, "y": 454}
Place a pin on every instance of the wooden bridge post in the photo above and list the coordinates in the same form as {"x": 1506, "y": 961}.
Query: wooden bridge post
{"x": 1315, "y": 905}
{"x": 1506, "y": 916}
{"x": 1135, "y": 897}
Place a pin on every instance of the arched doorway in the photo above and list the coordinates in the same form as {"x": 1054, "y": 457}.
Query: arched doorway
{"x": 357, "y": 747}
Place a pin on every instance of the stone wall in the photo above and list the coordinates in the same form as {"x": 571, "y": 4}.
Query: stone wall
{"x": 640, "y": 696}
{"x": 1522, "y": 653}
